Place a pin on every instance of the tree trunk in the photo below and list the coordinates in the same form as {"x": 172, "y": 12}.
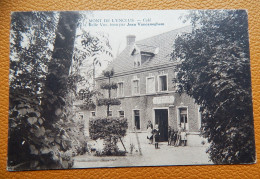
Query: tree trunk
{"x": 58, "y": 70}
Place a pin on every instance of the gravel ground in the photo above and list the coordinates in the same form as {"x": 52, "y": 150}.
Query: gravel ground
{"x": 165, "y": 155}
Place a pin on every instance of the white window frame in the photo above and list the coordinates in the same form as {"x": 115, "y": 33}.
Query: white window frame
{"x": 92, "y": 112}
{"x": 178, "y": 116}
{"x": 154, "y": 90}
{"x": 133, "y": 118}
{"x": 119, "y": 113}
{"x": 123, "y": 94}
{"x": 132, "y": 86}
{"x": 111, "y": 113}
{"x": 159, "y": 87}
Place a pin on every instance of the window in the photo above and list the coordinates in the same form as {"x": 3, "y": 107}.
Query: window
{"x": 109, "y": 113}
{"x": 93, "y": 113}
{"x": 121, "y": 114}
{"x": 137, "y": 119}
{"x": 135, "y": 89}
{"x": 150, "y": 85}
{"x": 81, "y": 94}
{"x": 80, "y": 117}
{"x": 146, "y": 56}
{"x": 162, "y": 86}
{"x": 120, "y": 89}
{"x": 183, "y": 118}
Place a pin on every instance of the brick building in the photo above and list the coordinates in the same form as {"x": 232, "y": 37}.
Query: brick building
{"x": 144, "y": 72}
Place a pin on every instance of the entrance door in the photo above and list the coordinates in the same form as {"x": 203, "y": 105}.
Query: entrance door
{"x": 161, "y": 118}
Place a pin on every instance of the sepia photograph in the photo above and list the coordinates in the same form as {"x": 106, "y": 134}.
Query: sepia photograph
{"x": 129, "y": 88}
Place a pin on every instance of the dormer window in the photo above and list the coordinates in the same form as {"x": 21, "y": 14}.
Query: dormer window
{"x": 145, "y": 56}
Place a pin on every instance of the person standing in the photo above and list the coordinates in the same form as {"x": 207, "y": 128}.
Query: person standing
{"x": 156, "y": 134}
{"x": 169, "y": 135}
{"x": 150, "y": 132}
{"x": 183, "y": 137}
{"x": 178, "y": 140}
{"x": 173, "y": 137}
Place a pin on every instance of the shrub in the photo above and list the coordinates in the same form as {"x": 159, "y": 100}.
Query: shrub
{"x": 110, "y": 129}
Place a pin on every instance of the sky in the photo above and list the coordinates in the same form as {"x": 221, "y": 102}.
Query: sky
{"x": 117, "y": 24}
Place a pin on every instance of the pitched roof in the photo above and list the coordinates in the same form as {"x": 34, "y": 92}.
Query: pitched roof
{"x": 163, "y": 43}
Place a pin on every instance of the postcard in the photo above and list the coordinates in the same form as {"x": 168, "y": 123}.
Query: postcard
{"x": 92, "y": 89}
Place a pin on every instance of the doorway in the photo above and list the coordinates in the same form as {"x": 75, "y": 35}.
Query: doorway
{"x": 161, "y": 118}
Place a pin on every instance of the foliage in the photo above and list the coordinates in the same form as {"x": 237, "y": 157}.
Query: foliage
{"x": 89, "y": 49}
{"x": 215, "y": 71}
{"x": 108, "y": 73}
{"x": 89, "y": 98}
{"x": 108, "y": 101}
{"x": 30, "y": 54}
{"x": 39, "y": 112}
{"x": 57, "y": 103}
{"x": 109, "y": 129}
{"x": 103, "y": 127}
{"x": 43, "y": 80}
{"x": 108, "y": 86}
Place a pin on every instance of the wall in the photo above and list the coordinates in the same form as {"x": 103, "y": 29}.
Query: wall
{"x": 144, "y": 102}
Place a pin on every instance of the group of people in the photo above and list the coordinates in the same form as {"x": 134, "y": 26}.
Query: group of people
{"x": 175, "y": 138}
{"x": 178, "y": 137}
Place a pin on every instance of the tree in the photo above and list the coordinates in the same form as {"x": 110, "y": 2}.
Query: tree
{"x": 89, "y": 49}
{"x": 215, "y": 71}
{"x": 40, "y": 108}
{"x": 30, "y": 54}
{"x": 109, "y": 128}
{"x": 108, "y": 86}
{"x": 56, "y": 101}
{"x": 42, "y": 130}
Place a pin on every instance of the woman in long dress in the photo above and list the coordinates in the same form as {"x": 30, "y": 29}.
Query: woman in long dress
{"x": 150, "y": 132}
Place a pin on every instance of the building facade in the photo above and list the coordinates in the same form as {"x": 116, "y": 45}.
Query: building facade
{"x": 145, "y": 73}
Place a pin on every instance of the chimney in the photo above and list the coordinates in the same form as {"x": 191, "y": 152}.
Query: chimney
{"x": 130, "y": 39}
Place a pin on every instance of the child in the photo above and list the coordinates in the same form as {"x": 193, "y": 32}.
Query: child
{"x": 169, "y": 135}
{"x": 156, "y": 136}
{"x": 183, "y": 137}
{"x": 173, "y": 137}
